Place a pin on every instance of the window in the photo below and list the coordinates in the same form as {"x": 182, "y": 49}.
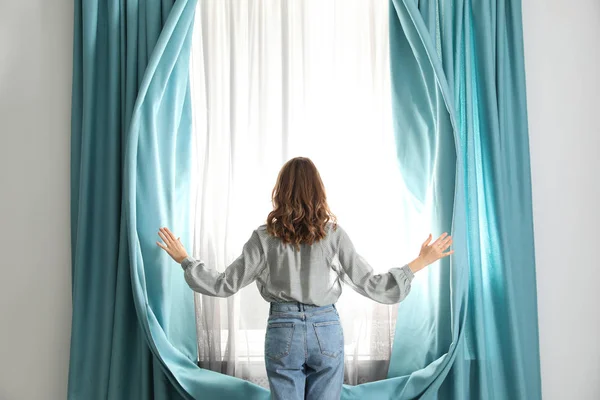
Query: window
{"x": 274, "y": 79}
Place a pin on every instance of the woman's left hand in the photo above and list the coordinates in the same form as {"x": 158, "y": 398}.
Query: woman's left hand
{"x": 172, "y": 245}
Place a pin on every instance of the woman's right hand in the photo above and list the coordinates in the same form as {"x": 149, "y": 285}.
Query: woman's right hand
{"x": 172, "y": 245}
{"x": 430, "y": 253}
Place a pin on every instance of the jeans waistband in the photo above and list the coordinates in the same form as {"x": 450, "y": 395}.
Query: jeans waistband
{"x": 296, "y": 306}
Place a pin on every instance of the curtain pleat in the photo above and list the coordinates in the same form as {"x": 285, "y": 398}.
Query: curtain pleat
{"x": 462, "y": 144}
{"x": 128, "y": 57}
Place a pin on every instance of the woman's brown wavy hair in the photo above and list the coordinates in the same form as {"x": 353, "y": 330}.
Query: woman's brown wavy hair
{"x": 300, "y": 211}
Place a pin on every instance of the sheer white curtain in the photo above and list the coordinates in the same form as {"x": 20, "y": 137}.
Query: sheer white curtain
{"x": 274, "y": 79}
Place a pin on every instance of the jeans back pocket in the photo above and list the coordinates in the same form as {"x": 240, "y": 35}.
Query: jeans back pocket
{"x": 330, "y": 337}
{"x": 279, "y": 339}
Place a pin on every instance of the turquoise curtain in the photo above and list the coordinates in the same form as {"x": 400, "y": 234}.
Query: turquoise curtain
{"x": 460, "y": 119}
{"x": 134, "y": 334}
{"x": 460, "y": 122}
{"x": 130, "y": 95}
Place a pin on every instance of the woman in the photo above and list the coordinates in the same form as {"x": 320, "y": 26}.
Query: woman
{"x": 298, "y": 260}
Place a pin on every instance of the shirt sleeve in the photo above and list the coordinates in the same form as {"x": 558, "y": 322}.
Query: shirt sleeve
{"x": 387, "y": 288}
{"x": 238, "y": 274}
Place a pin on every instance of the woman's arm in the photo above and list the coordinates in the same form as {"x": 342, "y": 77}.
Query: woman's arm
{"x": 202, "y": 279}
{"x": 390, "y": 287}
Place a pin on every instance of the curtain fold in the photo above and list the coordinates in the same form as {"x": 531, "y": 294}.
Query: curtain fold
{"x": 133, "y": 331}
{"x": 129, "y": 75}
{"x": 461, "y": 64}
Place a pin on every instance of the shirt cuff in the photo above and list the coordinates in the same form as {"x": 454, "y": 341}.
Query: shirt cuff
{"x": 408, "y": 272}
{"x": 187, "y": 262}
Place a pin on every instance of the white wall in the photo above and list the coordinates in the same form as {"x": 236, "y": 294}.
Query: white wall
{"x": 563, "y": 73}
{"x": 563, "y": 78}
{"x": 35, "y": 285}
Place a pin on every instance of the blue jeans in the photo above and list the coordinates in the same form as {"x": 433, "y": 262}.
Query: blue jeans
{"x": 304, "y": 352}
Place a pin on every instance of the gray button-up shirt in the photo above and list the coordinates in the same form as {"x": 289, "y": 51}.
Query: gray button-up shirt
{"x": 311, "y": 275}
